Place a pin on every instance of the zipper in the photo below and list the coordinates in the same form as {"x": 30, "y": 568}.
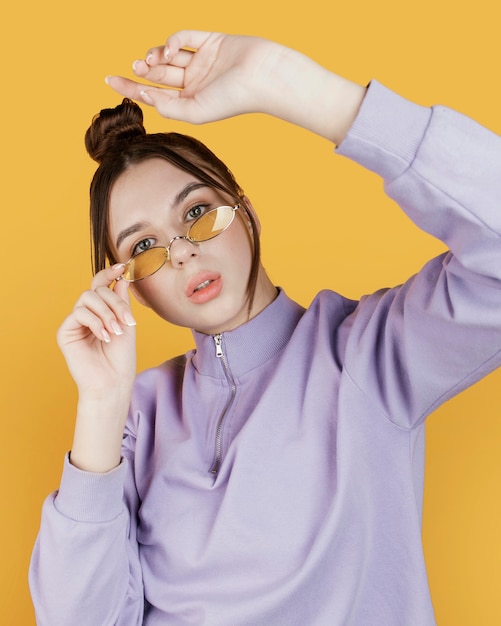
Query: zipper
{"x": 233, "y": 388}
{"x": 219, "y": 347}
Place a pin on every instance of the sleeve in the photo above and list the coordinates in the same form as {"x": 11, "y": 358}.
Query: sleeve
{"x": 85, "y": 568}
{"x": 412, "y": 347}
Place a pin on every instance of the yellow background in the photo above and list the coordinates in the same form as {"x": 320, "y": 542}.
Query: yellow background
{"x": 326, "y": 223}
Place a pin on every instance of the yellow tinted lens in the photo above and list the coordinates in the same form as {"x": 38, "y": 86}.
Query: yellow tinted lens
{"x": 211, "y": 224}
{"x": 145, "y": 264}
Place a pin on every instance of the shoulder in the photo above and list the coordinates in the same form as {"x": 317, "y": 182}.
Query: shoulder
{"x": 330, "y": 304}
{"x": 150, "y": 382}
{"x": 153, "y": 388}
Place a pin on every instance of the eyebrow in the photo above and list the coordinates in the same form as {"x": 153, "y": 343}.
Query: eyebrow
{"x": 190, "y": 187}
{"x": 182, "y": 195}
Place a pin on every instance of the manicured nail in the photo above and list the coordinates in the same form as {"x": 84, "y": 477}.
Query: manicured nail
{"x": 134, "y": 65}
{"x": 129, "y": 320}
{"x": 149, "y": 59}
{"x": 105, "y": 335}
{"x": 144, "y": 95}
{"x": 166, "y": 53}
{"x": 117, "y": 266}
{"x": 116, "y": 328}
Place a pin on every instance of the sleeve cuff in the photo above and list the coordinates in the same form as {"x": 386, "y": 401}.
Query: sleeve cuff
{"x": 387, "y": 132}
{"x": 87, "y": 497}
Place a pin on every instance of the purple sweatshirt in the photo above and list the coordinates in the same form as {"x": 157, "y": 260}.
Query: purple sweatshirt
{"x": 274, "y": 476}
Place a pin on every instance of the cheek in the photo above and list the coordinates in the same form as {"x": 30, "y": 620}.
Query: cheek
{"x": 138, "y": 292}
{"x": 158, "y": 294}
{"x": 239, "y": 245}
{"x": 152, "y": 292}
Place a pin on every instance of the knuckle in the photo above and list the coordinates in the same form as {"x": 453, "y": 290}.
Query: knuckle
{"x": 84, "y": 297}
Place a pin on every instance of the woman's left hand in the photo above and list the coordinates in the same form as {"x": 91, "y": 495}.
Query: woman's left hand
{"x": 203, "y": 77}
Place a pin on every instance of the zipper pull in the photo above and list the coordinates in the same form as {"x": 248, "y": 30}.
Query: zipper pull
{"x": 219, "y": 349}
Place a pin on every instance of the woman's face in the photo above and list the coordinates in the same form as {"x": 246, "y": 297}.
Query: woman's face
{"x": 203, "y": 286}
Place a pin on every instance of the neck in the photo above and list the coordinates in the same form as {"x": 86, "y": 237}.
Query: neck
{"x": 264, "y": 294}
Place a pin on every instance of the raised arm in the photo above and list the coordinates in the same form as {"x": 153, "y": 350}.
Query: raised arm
{"x": 202, "y": 77}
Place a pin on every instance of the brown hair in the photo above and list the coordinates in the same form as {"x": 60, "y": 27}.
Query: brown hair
{"x": 117, "y": 140}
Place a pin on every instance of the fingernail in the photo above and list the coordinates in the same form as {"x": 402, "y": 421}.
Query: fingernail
{"x": 107, "y": 79}
{"x": 166, "y": 53}
{"x": 117, "y": 266}
{"x": 149, "y": 59}
{"x": 116, "y": 328}
{"x": 134, "y": 65}
{"x": 105, "y": 335}
{"x": 144, "y": 95}
{"x": 129, "y": 320}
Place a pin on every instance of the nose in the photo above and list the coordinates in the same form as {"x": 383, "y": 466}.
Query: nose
{"x": 182, "y": 251}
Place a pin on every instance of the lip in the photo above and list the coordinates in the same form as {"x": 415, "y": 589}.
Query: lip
{"x": 206, "y": 293}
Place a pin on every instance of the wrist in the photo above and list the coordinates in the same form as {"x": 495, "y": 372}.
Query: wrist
{"x": 308, "y": 95}
{"x": 99, "y": 431}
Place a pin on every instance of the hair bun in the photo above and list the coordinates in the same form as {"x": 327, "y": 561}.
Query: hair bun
{"x": 112, "y": 127}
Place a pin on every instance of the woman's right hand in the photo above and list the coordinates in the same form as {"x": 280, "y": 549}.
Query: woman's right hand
{"x": 98, "y": 337}
{"x": 98, "y": 341}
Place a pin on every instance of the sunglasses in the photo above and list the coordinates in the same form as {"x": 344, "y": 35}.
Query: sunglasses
{"x": 205, "y": 227}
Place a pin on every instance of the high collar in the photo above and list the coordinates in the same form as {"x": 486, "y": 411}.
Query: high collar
{"x": 251, "y": 344}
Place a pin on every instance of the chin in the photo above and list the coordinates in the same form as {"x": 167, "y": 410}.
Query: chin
{"x": 217, "y": 316}
{"x": 222, "y": 321}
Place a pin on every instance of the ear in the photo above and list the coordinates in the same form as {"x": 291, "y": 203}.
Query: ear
{"x": 247, "y": 205}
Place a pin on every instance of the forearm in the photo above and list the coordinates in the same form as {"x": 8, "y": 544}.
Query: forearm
{"x": 441, "y": 167}
{"x": 84, "y": 568}
{"x": 308, "y": 95}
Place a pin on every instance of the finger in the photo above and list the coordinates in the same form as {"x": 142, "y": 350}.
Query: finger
{"x": 156, "y": 56}
{"x": 108, "y": 307}
{"x": 118, "y": 300}
{"x": 171, "y": 105}
{"x": 101, "y": 283}
{"x": 133, "y": 90}
{"x": 83, "y": 318}
{"x": 105, "y": 277}
{"x": 180, "y": 59}
{"x": 161, "y": 74}
{"x": 192, "y": 39}
{"x": 121, "y": 288}
{"x": 84, "y": 321}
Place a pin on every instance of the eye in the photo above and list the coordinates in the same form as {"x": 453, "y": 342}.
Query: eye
{"x": 141, "y": 246}
{"x": 195, "y": 212}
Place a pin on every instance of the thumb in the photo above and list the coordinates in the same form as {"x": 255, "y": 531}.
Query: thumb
{"x": 121, "y": 288}
{"x": 142, "y": 93}
{"x": 171, "y": 104}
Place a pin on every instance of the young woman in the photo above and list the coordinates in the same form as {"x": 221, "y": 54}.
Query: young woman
{"x": 274, "y": 475}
